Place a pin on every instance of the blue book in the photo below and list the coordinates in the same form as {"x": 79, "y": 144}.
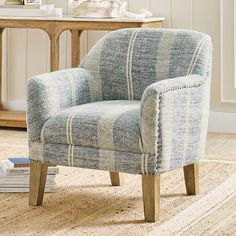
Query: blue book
{"x": 19, "y": 162}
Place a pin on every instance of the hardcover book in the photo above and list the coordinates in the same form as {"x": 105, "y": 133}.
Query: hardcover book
{"x": 19, "y": 162}
{"x": 15, "y": 178}
{"x": 9, "y": 169}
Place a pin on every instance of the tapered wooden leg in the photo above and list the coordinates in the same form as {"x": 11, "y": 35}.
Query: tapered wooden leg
{"x": 191, "y": 175}
{"x": 38, "y": 176}
{"x": 151, "y": 197}
{"x": 116, "y": 179}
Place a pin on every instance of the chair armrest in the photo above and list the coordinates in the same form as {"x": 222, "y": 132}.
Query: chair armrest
{"x": 51, "y": 93}
{"x": 174, "y": 119}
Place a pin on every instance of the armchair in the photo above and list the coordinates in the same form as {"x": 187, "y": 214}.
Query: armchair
{"x": 138, "y": 104}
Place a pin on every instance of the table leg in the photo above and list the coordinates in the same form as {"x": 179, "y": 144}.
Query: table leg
{"x": 75, "y": 47}
{"x": 54, "y": 56}
{"x": 1, "y": 33}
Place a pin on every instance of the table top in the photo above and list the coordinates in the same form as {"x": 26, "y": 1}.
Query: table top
{"x": 70, "y": 18}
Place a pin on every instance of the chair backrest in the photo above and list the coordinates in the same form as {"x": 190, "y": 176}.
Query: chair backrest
{"x": 124, "y": 62}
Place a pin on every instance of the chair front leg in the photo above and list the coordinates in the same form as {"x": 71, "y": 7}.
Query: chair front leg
{"x": 38, "y": 176}
{"x": 191, "y": 175}
{"x": 151, "y": 197}
{"x": 116, "y": 179}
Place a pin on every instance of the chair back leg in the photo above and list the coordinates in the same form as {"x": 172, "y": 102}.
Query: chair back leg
{"x": 191, "y": 176}
{"x": 38, "y": 176}
{"x": 116, "y": 179}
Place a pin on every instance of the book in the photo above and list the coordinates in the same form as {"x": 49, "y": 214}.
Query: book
{"x": 20, "y": 179}
{"x": 19, "y": 162}
{"x": 20, "y": 182}
{"x": 8, "y": 169}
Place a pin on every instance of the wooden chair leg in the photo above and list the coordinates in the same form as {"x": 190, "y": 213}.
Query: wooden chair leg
{"x": 38, "y": 176}
{"x": 116, "y": 178}
{"x": 191, "y": 175}
{"x": 151, "y": 197}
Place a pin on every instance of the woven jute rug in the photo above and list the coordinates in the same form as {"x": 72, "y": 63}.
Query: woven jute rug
{"x": 86, "y": 204}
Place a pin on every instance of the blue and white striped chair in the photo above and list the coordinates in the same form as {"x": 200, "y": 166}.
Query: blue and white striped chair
{"x": 138, "y": 104}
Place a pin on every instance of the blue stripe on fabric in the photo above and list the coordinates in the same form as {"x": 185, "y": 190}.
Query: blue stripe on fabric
{"x": 113, "y": 65}
{"x": 144, "y": 61}
{"x": 182, "y": 52}
{"x": 126, "y": 131}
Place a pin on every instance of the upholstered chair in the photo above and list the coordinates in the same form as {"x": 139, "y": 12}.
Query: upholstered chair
{"x": 137, "y": 104}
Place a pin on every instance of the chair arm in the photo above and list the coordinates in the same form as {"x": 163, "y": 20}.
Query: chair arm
{"x": 174, "y": 119}
{"x": 51, "y": 93}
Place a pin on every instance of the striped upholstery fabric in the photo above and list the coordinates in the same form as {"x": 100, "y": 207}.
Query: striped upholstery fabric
{"x": 112, "y": 125}
{"x": 138, "y": 104}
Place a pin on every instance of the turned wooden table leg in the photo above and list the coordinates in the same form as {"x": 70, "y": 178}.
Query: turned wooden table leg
{"x": 191, "y": 175}
{"x": 38, "y": 176}
{"x": 116, "y": 179}
{"x": 1, "y": 34}
{"x": 54, "y": 55}
{"x": 75, "y": 48}
{"x": 151, "y": 197}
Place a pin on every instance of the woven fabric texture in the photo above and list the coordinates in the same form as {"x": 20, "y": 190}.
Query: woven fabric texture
{"x": 139, "y": 103}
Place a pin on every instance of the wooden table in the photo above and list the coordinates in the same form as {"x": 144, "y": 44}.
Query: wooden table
{"x": 54, "y": 26}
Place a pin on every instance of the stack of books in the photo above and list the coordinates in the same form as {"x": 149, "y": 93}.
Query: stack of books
{"x": 15, "y": 172}
{"x": 30, "y": 10}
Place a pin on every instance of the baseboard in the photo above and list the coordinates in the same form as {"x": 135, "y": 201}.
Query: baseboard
{"x": 14, "y": 106}
{"x": 222, "y": 122}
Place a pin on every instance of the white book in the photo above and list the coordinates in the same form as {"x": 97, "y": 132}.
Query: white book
{"x": 21, "y": 179}
{"x": 9, "y": 170}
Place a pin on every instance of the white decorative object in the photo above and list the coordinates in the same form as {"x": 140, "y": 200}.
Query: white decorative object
{"x": 104, "y": 8}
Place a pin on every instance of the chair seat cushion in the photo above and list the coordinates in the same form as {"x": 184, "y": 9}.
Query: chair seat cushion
{"x": 110, "y": 125}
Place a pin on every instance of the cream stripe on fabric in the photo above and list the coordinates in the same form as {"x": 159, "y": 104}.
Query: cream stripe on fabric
{"x": 146, "y": 163}
{"x": 72, "y": 83}
{"x": 142, "y": 163}
{"x": 69, "y": 135}
{"x": 163, "y": 56}
{"x": 186, "y": 217}
{"x": 195, "y": 55}
{"x": 128, "y": 64}
{"x": 69, "y": 127}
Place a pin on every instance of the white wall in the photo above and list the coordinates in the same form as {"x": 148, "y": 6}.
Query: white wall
{"x": 27, "y": 51}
